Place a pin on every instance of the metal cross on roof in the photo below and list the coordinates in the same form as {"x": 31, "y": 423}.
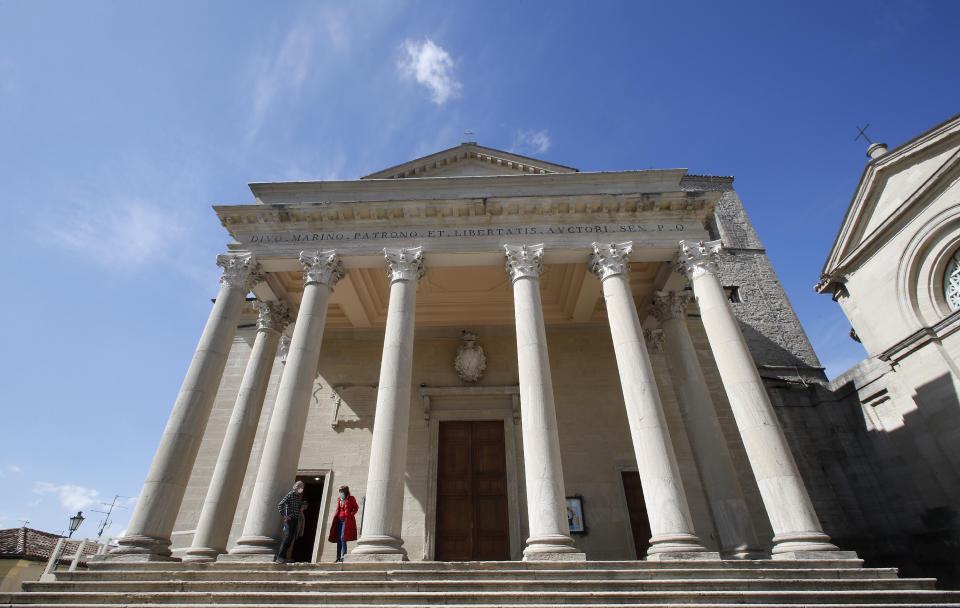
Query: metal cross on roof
{"x": 863, "y": 133}
{"x": 467, "y": 136}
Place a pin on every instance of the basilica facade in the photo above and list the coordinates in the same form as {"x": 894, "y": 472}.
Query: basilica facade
{"x": 509, "y": 359}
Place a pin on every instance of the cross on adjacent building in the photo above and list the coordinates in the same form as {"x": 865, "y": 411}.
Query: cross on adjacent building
{"x": 863, "y": 133}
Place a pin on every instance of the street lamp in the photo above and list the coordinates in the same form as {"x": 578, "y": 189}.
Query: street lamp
{"x": 75, "y": 522}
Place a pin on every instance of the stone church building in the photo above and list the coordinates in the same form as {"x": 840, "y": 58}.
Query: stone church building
{"x": 508, "y": 359}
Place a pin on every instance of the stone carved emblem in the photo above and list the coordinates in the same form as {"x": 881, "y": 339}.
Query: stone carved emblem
{"x": 470, "y": 361}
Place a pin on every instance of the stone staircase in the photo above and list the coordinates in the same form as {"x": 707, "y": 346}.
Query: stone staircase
{"x": 586, "y": 584}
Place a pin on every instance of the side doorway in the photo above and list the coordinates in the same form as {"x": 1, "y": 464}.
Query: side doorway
{"x": 312, "y": 495}
{"x": 637, "y": 508}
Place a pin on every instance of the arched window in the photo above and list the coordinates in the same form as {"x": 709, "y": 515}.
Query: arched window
{"x": 951, "y": 282}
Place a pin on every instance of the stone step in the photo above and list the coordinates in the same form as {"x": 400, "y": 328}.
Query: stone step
{"x": 500, "y": 598}
{"x": 309, "y": 574}
{"x": 586, "y": 605}
{"x": 481, "y": 586}
{"x": 637, "y": 565}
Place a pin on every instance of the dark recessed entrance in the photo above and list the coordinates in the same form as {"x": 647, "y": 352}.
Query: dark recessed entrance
{"x": 639, "y": 522}
{"x": 472, "y": 522}
{"x": 312, "y": 494}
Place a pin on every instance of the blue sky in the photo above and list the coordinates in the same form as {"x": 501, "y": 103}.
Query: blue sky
{"x": 122, "y": 122}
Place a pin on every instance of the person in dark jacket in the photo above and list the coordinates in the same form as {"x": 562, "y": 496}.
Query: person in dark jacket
{"x": 343, "y": 528}
{"x": 289, "y": 507}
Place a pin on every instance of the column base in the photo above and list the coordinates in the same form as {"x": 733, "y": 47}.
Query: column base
{"x": 674, "y": 543}
{"x": 201, "y": 554}
{"x": 552, "y": 547}
{"x": 256, "y": 545}
{"x": 138, "y": 548}
{"x": 683, "y": 556}
{"x": 803, "y": 542}
{"x": 381, "y": 547}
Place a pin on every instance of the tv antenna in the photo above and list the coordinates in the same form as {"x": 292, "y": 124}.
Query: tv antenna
{"x": 105, "y": 523}
{"x": 24, "y": 522}
{"x": 863, "y": 133}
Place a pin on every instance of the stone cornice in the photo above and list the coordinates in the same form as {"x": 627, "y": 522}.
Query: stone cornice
{"x": 432, "y": 188}
{"x": 922, "y": 337}
{"x": 304, "y": 216}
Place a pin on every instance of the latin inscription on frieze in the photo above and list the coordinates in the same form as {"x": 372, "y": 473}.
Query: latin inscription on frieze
{"x": 598, "y": 230}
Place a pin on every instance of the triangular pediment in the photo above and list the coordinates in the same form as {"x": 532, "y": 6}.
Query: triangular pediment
{"x": 470, "y": 159}
{"x": 893, "y": 188}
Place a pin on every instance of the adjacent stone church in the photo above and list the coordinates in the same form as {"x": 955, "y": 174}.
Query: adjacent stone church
{"x": 509, "y": 359}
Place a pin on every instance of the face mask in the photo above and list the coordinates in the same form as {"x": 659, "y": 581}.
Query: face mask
{"x": 343, "y": 496}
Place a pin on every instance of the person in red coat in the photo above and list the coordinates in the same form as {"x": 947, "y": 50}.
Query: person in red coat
{"x": 343, "y": 528}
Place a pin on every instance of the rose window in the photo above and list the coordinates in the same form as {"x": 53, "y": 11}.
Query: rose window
{"x": 951, "y": 282}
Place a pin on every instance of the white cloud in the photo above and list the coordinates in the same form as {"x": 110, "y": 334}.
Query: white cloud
{"x": 281, "y": 72}
{"x": 73, "y": 498}
{"x": 531, "y": 142}
{"x": 121, "y": 234}
{"x": 432, "y": 67}
{"x": 12, "y": 468}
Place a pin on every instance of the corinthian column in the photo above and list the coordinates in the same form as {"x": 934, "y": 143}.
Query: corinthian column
{"x": 220, "y": 505}
{"x": 148, "y": 534}
{"x": 671, "y": 526}
{"x": 729, "y": 508}
{"x": 546, "y": 498}
{"x": 797, "y": 531}
{"x": 383, "y": 511}
{"x": 281, "y": 450}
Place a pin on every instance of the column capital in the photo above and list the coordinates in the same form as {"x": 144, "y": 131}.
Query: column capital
{"x": 240, "y": 270}
{"x": 274, "y": 316}
{"x": 670, "y": 305}
{"x": 524, "y": 261}
{"x": 610, "y": 260}
{"x": 654, "y": 339}
{"x": 321, "y": 267}
{"x": 283, "y": 349}
{"x": 404, "y": 264}
{"x": 699, "y": 258}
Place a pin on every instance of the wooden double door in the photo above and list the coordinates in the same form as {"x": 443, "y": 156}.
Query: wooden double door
{"x": 472, "y": 522}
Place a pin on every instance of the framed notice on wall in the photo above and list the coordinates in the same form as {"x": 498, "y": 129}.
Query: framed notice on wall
{"x": 575, "y": 515}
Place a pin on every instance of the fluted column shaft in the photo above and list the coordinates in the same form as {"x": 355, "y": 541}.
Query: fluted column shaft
{"x": 543, "y": 470}
{"x": 281, "y": 450}
{"x": 383, "y": 510}
{"x": 671, "y": 526}
{"x": 220, "y": 505}
{"x": 729, "y": 507}
{"x": 148, "y": 534}
{"x": 792, "y": 516}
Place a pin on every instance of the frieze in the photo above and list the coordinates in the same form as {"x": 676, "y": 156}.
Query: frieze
{"x": 435, "y": 234}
